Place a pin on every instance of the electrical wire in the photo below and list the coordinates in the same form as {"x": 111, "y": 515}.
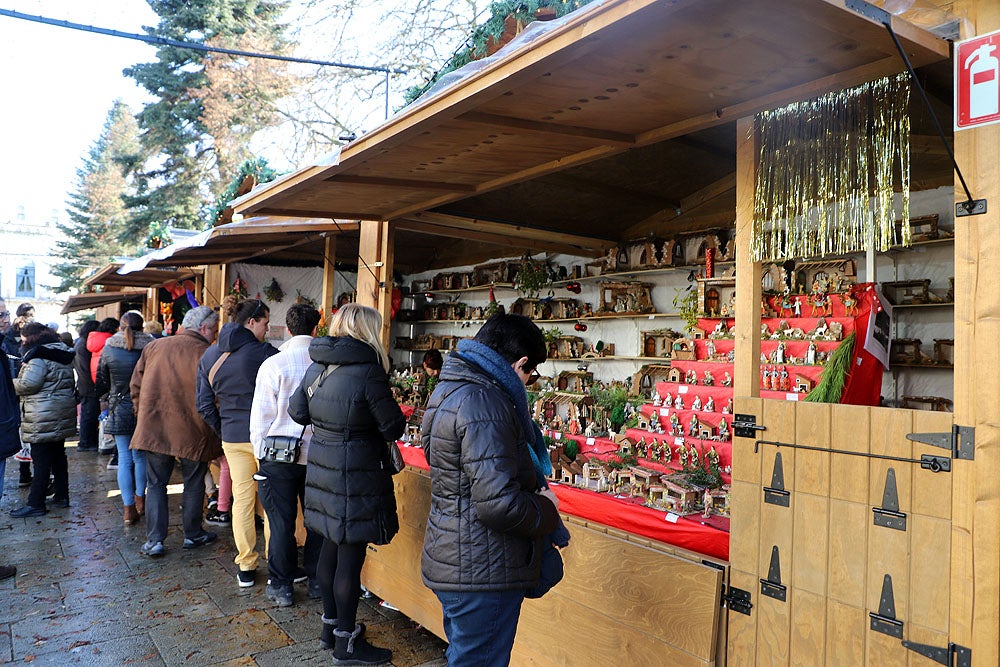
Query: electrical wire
{"x": 163, "y": 41}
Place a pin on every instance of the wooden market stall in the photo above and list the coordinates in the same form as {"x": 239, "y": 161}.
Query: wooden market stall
{"x": 633, "y": 117}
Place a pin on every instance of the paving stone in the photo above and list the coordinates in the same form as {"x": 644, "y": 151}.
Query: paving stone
{"x": 215, "y": 640}
{"x": 6, "y": 648}
{"x": 134, "y": 650}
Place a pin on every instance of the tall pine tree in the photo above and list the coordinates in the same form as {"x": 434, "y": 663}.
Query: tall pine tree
{"x": 97, "y": 231}
{"x": 207, "y": 107}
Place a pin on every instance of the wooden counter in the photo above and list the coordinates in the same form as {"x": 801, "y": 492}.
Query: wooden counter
{"x": 624, "y": 599}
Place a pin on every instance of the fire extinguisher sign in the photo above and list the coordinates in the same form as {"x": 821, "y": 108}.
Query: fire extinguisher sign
{"x": 977, "y": 81}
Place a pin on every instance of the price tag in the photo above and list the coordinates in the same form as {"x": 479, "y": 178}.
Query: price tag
{"x": 791, "y": 397}
{"x": 664, "y": 412}
{"x": 558, "y": 435}
{"x": 682, "y": 389}
{"x": 652, "y": 317}
{"x": 591, "y": 441}
{"x": 671, "y": 517}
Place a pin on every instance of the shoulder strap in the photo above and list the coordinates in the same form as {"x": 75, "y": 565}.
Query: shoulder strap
{"x": 216, "y": 366}
{"x": 318, "y": 382}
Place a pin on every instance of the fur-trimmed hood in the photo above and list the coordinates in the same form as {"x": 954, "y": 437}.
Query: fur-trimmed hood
{"x": 141, "y": 338}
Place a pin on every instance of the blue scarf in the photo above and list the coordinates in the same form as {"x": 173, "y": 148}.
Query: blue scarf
{"x": 500, "y": 369}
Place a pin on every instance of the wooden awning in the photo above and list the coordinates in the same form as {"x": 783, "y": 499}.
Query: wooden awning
{"x": 238, "y": 241}
{"x": 108, "y": 276}
{"x": 649, "y": 88}
{"x": 95, "y": 299}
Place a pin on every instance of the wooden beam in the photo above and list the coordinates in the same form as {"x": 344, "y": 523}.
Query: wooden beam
{"x": 369, "y": 255}
{"x": 688, "y": 204}
{"x": 384, "y": 301}
{"x": 503, "y": 240}
{"x": 610, "y": 191}
{"x": 746, "y": 371}
{"x": 542, "y": 127}
{"x": 314, "y": 213}
{"x": 401, "y": 183}
{"x": 329, "y": 273}
{"x": 512, "y": 230}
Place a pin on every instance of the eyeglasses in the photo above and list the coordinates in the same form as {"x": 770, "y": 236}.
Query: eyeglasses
{"x": 5, "y": 315}
{"x": 532, "y": 378}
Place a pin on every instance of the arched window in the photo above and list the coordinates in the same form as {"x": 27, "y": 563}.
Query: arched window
{"x": 712, "y": 301}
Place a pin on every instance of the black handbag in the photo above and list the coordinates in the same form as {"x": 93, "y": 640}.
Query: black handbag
{"x": 283, "y": 448}
{"x": 121, "y": 415}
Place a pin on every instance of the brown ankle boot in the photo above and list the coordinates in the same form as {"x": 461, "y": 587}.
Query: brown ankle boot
{"x": 131, "y": 515}
{"x": 140, "y": 505}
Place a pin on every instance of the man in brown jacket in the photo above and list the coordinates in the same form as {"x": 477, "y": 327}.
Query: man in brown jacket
{"x": 168, "y": 427}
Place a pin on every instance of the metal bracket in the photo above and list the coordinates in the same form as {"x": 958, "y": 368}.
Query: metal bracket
{"x": 776, "y": 493}
{"x": 772, "y": 586}
{"x": 885, "y": 620}
{"x": 889, "y": 515}
{"x": 745, "y": 426}
{"x": 738, "y": 599}
{"x": 970, "y": 207}
{"x": 869, "y": 10}
{"x": 961, "y": 441}
{"x": 952, "y": 655}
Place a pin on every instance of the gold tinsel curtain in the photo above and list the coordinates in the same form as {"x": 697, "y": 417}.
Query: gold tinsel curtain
{"x": 825, "y": 176}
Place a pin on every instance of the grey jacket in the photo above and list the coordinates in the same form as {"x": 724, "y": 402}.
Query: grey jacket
{"x": 486, "y": 521}
{"x": 48, "y": 394}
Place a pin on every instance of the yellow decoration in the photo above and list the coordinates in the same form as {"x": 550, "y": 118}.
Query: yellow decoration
{"x": 825, "y": 177}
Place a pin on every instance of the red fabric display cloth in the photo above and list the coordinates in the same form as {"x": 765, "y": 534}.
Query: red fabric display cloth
{"x": 705, "y": 536}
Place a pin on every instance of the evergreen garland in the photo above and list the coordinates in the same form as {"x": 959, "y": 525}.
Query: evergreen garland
{"x": 834, "y": 376}
{"x": 256, "y": 167}
{"x": 475, "y": 47}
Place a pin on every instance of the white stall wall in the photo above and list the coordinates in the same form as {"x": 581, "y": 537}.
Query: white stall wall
{"x": 294, "y": 280}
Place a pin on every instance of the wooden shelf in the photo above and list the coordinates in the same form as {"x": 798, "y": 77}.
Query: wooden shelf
{"x": 942, "y": 367}
{"x": 589, "y": 318}
{"x": 636, "y": 273}
{"x": 587, "y": 360}
{"x": 942, "y": 304}
{"x": 474, "y": 288}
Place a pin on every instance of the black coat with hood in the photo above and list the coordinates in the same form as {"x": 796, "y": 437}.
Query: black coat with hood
{"x": 486, "y": 522}
{"x": 114, "y": 373}
{"x": 47, "y": 389}
{"x": 349, "y": 489}
{"x": 225, "y": 404}
{"x": 81, "y": 364}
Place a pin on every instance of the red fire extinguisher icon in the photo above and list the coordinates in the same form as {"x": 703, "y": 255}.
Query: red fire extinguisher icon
{"x": 983, "y": 70}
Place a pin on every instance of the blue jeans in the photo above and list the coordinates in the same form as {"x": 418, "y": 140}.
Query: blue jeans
{"x": 480, "y": 626}
{"x": 131, "y": 470}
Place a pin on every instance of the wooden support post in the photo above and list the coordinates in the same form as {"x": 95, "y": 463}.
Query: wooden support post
{"x": 746, "y": 372}
{"x": 375, "y": 253}
{"x": 329, "y": 272}
{"x": 152, "y": 305}
{"x": 975, "y": 535}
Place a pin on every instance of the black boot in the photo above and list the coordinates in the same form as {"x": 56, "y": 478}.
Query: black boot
{"x": 350, "y": 648}
{"x": 326, "y": 641}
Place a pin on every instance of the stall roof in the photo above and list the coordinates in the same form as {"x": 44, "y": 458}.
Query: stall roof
{"x": 108, "y": 276}
{"x": 635, "y": 98}
{"x": 237, "y": 241}
{"x": 94, "y": 299}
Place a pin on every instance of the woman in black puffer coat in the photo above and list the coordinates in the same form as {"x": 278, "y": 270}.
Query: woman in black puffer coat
{"x": 48, "y": 414}
{"x": 349, "y": 491}
{"x": 114, "y": 373}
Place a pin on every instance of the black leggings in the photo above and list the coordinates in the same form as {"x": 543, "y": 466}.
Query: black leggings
{"x": 339, "y": 574}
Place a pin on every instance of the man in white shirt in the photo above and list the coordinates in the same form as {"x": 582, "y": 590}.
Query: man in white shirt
{"x": 281, "y": 446}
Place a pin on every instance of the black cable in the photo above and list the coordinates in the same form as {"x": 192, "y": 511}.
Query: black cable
{"x": 163, "y": 41}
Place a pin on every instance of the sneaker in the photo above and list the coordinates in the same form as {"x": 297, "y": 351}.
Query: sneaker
{"x": 213, "y": 501}
{"x": 206, "y": 537}
{"x": 28, "y": 511}
{"x": 24, "y": 456}
{"x": 218, "y": 518}
{"x": 113, "y": 463}
{"x": 246, "y": 578}
{"x": 280, "y": 595}
{"x": 152, "y": 549}
{"x": 300, "y": 576}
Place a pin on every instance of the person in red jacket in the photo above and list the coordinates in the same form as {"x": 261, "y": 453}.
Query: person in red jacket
{"x": 95, "y": 345}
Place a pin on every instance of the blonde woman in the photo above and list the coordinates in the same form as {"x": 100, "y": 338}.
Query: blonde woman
{"x": 349, "y": 496}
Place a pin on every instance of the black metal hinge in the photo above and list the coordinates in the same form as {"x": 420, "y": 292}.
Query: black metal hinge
{"x": 772, "y": 586}
{"x": 738, "y": 599}
{"x": 885, "y": 620}
{"x": 961, "y": 441}
{"x": 952, "y": 655}
{"x": 888, "y": 515}
{"x": 776, "y": 493}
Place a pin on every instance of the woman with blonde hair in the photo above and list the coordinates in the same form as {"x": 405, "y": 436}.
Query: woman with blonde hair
{"x": 114, "y": 372}
{"x": 349, "y": 497}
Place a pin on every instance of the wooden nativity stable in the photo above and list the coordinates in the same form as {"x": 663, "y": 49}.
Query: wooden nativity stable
{"x": 631, "y": 118}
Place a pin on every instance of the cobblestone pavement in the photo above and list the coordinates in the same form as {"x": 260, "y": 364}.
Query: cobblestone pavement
{"x": 83, "y": 594}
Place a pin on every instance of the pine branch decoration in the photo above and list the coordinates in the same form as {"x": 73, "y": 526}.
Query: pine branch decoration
{"x": 834, "y": 375}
